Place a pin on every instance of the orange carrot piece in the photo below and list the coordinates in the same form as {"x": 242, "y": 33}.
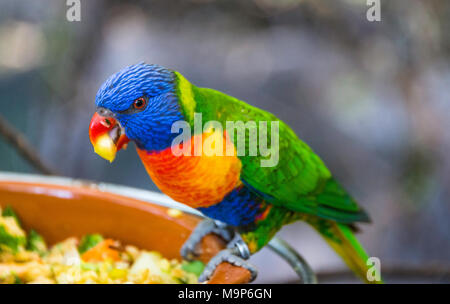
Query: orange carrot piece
{"x": 101, "y": 252}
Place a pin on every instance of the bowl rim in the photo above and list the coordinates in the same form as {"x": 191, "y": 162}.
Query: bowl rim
{"x": 146, "y": 196}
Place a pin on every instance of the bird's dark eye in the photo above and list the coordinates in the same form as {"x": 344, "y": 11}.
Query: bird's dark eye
{"x": 140, "y": 103}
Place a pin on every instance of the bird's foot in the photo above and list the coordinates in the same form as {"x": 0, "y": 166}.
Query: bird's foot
{"x": 207, "y": 226}
{"x": 236, "y": 254}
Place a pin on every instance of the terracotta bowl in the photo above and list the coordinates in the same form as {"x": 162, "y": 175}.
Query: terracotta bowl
{"x": 60, "y": 210}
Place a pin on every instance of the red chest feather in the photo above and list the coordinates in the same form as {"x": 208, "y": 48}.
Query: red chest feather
{"x": 197, "y": 181}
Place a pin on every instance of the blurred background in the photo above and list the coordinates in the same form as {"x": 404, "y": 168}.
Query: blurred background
{"x": 371, "y": 98}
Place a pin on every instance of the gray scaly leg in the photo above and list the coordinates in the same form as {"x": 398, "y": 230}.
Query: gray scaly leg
{"x": 207, "y": 226}
{"x": 237, "y": 253}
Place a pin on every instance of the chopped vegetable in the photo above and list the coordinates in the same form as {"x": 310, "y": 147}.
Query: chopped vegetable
{"x": 117, "y": 273}
{"x": 89, "y": 241}
{"x": 17, "y": 280}
{"x": 102, "y": 252}
{"x": 195, "y": 267}
{"x": 9, "y": 212}
{"x": 36, "y": 243}
{"x": 152, "y": 266}
{"x": 11, "y": 235}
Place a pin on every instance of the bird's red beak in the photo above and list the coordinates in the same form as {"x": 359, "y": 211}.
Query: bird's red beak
{"x": 107, "y": 136}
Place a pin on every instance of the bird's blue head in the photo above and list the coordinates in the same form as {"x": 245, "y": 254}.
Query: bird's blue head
{"x": 142, "y": 99}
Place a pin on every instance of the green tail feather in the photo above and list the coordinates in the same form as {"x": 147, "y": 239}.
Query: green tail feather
{"x": 341, "y": 238}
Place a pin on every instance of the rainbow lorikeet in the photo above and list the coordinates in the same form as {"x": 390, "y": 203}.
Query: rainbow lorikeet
{"x": 142, "y": 103}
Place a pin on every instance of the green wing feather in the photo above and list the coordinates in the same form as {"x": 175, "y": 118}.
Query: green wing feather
{"x": 300, "y": 181}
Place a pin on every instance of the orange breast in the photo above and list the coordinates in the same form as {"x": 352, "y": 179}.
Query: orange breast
{"x": 197, "y": 181}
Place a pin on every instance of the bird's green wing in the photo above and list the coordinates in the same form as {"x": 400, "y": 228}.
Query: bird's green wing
{"x": 299, "y": 181}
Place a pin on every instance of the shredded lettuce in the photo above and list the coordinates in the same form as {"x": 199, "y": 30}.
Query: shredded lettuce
{"x": 36, "y": 243}
{"x": 10, "y": 241}
{"x": 88, "y": 241}
{"x": 195, "y": 267}
{"x": 8, "y": 211}
{"x": 17, "y": 280}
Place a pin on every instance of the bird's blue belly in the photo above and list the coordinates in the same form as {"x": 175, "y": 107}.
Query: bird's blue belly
{"x": 240, "y": 207}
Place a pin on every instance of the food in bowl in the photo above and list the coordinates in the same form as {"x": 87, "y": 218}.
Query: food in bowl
{"x": 26, "y": 258}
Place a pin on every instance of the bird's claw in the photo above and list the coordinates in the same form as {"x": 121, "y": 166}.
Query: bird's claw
{"x": 189, "y": 249}
{"x": 236, "y": 252}
{"x": 230, "y": 255}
